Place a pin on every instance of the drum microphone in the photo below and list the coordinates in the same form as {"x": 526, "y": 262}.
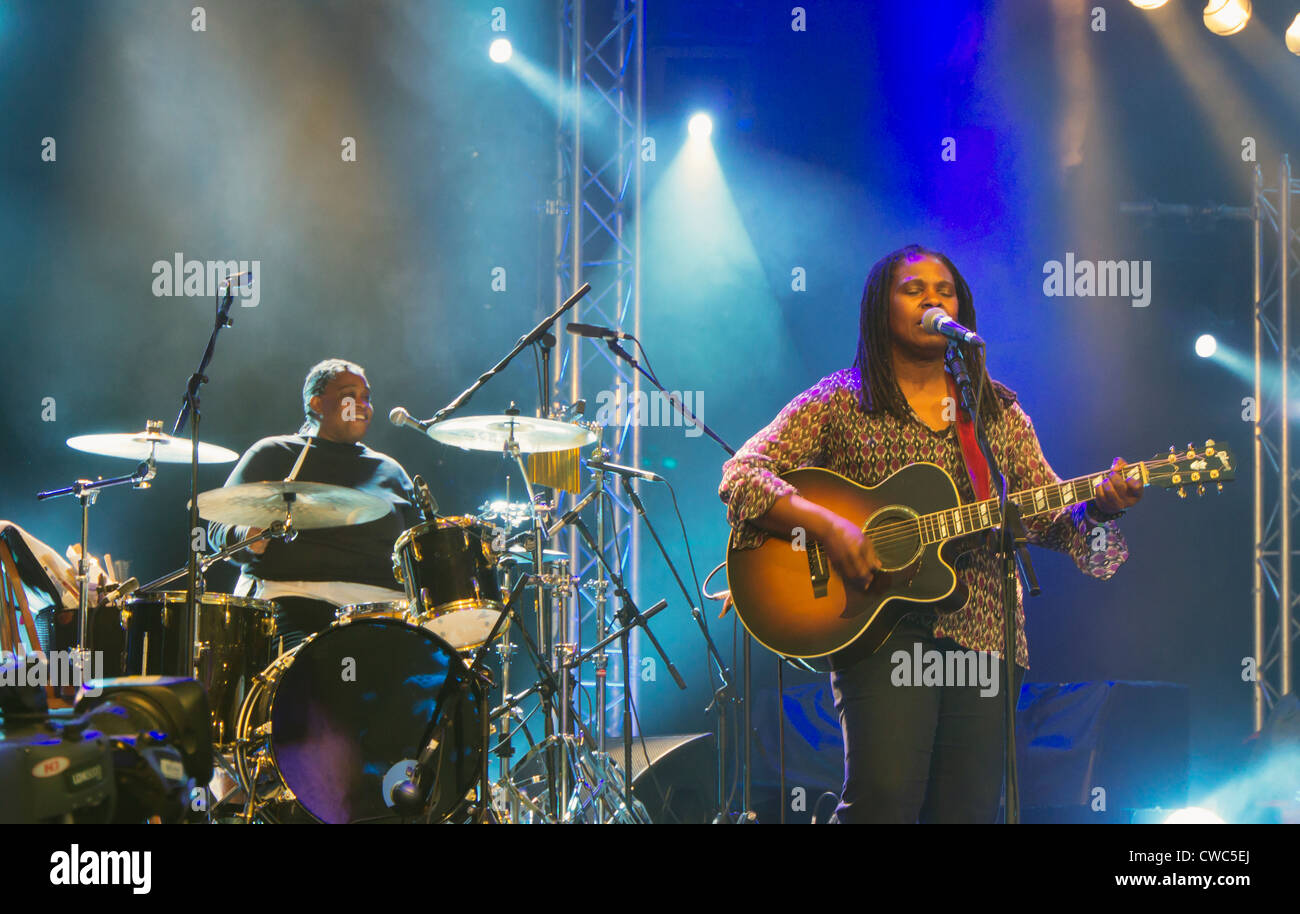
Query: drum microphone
{"x": 238, "y": 279}
{"x": 573, "y": 513}
{"x": 597, "y": 333}
{"x": 399, "y": 417}
{"x": 599, "y": 463}
{"x": 936, "y": 320}
{"x": 428, "y": 505}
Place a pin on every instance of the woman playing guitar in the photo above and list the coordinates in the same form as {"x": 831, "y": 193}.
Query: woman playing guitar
{"x": 930, "y": 754}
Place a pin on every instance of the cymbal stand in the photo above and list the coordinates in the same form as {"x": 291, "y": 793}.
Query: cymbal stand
{"x": 86, "y": 491}
{"x": 277, "y": 530}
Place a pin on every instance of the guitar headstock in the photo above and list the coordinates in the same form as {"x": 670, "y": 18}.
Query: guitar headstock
{"x": 1192, "y": 466}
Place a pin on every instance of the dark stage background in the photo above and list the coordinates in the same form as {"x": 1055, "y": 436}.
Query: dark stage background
{"x": 225, "y": 144}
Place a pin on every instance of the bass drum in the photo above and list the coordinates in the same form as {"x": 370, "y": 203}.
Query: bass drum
{"x": 342, "y": 719}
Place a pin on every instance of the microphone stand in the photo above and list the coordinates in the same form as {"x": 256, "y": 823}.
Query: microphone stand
{"x": 190, "y": 410}
{"x": 725, "y": 694}
{"x": 628, "y": 616}
{"x": 1012, "y": 541}
{"x": 675, "y": 401}
{"x": 527, "y": 339}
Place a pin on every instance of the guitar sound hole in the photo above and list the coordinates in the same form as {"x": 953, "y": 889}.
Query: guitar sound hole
{"x": 896, "y": 536}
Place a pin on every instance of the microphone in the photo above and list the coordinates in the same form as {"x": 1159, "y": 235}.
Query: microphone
{"x": 937, "y": 321}
{"x": 428, "y": 505}
{"x": 239, "y": 279}
{"x": 570, "y": 515}
{"x": 597, "y": 333}
{"x": 399, "y": 417}
{"x": 599, "y": 463}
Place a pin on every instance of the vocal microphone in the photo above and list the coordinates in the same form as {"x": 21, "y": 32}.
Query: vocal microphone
{"x": 599, "y": 463}
{"x": 936, "y": 320}
{"x": 239, "y": 279}
{"x": 399, "y": 417}
{"x": 572, "y": 514}
{"x": 597, "y": 333}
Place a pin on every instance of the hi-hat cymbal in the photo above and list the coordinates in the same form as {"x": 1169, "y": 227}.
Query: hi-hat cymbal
{"x": 139, "y": 445}
{"x": 314, "y": 504}
{"x": 518, "y": 555}
{"x": 492, "y": 433}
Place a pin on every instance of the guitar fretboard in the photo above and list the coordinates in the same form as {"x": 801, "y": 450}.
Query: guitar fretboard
{"x": 983, "y": 515}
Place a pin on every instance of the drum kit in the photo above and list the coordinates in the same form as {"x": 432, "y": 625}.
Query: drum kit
{"x": 385, "y": 715}
{"x": 297, "y": 740}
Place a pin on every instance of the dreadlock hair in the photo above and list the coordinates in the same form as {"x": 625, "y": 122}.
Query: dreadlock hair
{"x": 875, "y": 361}
{"x": 317, "y": 380}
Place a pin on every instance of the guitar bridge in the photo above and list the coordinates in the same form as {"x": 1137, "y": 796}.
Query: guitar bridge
{"x": 818, "y": 570}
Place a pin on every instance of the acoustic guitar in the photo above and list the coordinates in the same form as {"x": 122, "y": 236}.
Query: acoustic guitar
{"x": 794, "y": 603}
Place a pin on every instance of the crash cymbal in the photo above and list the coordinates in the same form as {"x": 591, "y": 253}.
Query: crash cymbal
{"x": 314, "y": 504}
{"x": 492, "y": 433}
{"x": 139, "y": 446}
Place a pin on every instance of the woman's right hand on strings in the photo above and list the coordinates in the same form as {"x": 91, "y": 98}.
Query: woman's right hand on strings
{"x": 851, "y": 552}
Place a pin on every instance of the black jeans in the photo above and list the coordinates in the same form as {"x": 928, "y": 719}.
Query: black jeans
{"x": 927, "y": 753}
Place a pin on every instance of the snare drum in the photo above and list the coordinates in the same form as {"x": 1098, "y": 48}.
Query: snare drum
{"x": 450, "y": 574}
{"x": 393, "y": 609}
{"x": 235, "y": 634}
{"x": 343, "y": 715}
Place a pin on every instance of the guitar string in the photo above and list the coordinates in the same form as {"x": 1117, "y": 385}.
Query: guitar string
{"x": 902, "y": 531}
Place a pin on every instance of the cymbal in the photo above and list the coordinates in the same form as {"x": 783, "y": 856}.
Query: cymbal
{"x": 139, "y": 445}
{"x": 491, "y": 433}
{"x": 315, "y": 504}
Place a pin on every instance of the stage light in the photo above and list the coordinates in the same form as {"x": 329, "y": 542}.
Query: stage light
{"x": 1206, "y": 345}
{"x": 1293, "y": 35}
{"x": 700, "y": 126}
{"x": 1193, "y": 815}
{"x": 500, "y": 50}
{"x": 1148, "y": 4}
{"x": 1226, "y": 17}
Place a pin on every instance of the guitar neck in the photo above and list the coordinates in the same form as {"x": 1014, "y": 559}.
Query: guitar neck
{"x": 984, "y": 515}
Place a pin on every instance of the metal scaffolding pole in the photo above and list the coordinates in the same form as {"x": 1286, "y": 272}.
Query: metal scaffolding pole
{"x": 1274, "y": 556}
{"x": 1273, "y": 610}
{"x": 598, "y": 201}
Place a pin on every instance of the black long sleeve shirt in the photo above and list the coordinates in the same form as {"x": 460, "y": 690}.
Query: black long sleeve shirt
{"x": 359, "y": 553}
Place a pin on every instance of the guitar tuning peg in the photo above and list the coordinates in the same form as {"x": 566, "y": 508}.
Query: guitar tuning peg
{"x": 1200, "y": 490}
{"x": 1182, "y": 493}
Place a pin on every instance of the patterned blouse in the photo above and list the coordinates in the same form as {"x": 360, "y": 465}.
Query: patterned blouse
{"x": 824, "y": 426}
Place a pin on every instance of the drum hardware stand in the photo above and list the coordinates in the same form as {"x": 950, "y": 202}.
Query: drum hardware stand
{"x": 546, "y": 688}
{"x": 629, "y": 617}
{"x": 725, "y": 694}
{"x": 278, "y": 530}
{"x": 625, "y": 802}
{"x": 87, "y": 491}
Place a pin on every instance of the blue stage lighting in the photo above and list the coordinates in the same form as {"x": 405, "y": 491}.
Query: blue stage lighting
{"x": 500, "y": 50}
{"x": 1206, "y": 345}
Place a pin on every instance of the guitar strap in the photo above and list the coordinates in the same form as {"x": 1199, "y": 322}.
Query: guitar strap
{"x": 976, "y": 466}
